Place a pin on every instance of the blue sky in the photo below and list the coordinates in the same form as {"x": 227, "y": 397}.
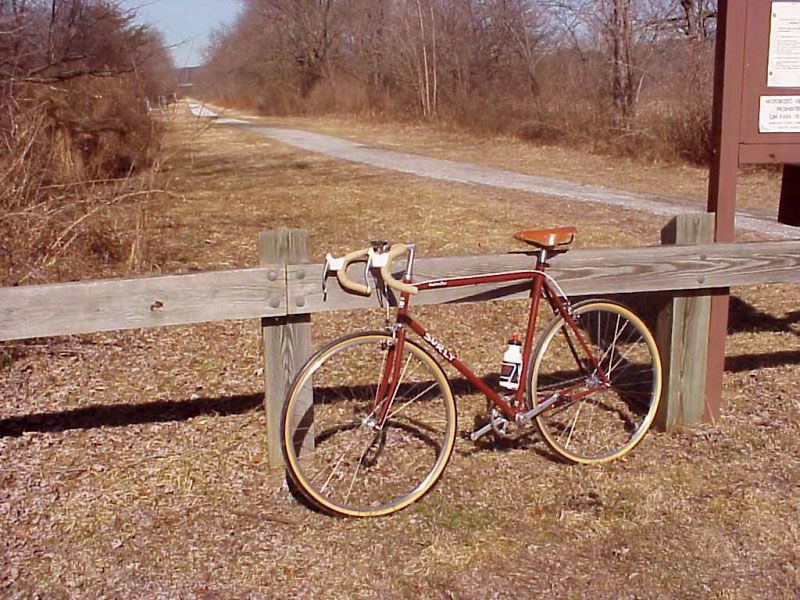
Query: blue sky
{"x": 185, "y": 24}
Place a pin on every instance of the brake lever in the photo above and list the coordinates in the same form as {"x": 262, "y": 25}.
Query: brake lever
{"x": 367, "y": 269}
{"x": 331, "y": 266}
{"x": 325, "y": 272}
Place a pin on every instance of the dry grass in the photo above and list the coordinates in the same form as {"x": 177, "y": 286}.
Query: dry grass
{"x": 133, "y": 463}
{"x": 75, "y": 191}
{"x": 758, "y": 188}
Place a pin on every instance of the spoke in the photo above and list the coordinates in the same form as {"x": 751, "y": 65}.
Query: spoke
{"x": 319, "y": 471}
{"x": 340, "y": 455}
{"x": 612, "y": 348}
{"x": 614, "y": 366}
{"x": 599, "y": 340}
{"x": 307, "y": 455}
{"x": 636, "y": 384}
{"x": 627, "y": 352}
{"x": 572, "y": 428}
{"x": 336, "y": 466}
{"x": 380, "y": 377}
{"x": 559, "y": 408}
{"x": 336, "y": 394}
{"x": 591, "y": 418}
{"x": 599, "y": 417}
{"x": 355, "y": 471}
{"x": 403, "y": 406}
{"x": 561, "y": 383}
{"x": 402, "y": 377}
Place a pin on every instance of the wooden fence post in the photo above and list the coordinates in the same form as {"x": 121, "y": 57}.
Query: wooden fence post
{"x": 682, "y": 333}
{"x": 287, "y": 340}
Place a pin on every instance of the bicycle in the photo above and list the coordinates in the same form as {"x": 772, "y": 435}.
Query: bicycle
{"x": 369, "y": 422}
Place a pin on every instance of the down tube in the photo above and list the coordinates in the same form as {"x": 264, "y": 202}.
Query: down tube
{"x": 450, "y": 357}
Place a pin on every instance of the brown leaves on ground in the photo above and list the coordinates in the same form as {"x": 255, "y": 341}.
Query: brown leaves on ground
{"x": 133, "y": 462}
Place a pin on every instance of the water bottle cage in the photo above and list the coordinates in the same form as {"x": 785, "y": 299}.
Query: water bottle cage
{"x": 509, "y": 375}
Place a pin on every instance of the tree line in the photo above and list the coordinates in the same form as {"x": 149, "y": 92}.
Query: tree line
{"x": 634, "y": 75}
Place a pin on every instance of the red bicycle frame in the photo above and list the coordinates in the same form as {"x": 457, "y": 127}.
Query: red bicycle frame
{"x": 391, "y": 375}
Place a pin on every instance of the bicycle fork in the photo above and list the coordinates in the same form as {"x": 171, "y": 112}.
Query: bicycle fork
{"x": 389, "y": 379}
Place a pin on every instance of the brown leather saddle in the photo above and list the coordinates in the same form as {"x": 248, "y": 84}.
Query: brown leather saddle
{"x": 558, "y": 238}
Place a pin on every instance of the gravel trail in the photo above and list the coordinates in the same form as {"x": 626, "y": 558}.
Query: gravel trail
{"x": 447, "y": 170}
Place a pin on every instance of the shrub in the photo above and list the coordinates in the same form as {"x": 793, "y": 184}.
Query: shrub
{"x": 72, "y": 125}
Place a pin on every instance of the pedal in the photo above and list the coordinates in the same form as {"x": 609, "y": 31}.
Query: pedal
{"x": 479, "y": 433}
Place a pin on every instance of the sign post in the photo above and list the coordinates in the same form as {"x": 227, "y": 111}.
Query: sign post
{"x": 756, "y": 120}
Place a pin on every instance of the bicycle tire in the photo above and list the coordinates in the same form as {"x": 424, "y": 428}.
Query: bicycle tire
{"x": 614, "y": 419}
{"x": 355, "y": 469}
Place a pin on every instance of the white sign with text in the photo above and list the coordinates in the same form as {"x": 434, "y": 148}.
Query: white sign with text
{"x": 779, "y": 114}
{"x": 783, "y": 65}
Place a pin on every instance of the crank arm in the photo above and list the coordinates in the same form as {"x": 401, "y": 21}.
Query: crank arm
{"x": 524, "y": 418}
{"x": 478, "y": 433}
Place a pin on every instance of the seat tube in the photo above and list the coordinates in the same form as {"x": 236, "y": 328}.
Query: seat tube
{"x": 530, "y": 332}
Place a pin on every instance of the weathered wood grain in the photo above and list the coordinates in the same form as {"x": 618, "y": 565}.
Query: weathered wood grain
{"x": 286, "y": 339}
{"x": 105, "y": 305}
{"x": 580, "y": 273}
{"x": 682, "y": 334}
{"x": 84, "y": 307}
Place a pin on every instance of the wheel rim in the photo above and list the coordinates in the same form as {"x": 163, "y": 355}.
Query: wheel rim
{"x": 619, "y": 404}
{"x": 338, "y": 453}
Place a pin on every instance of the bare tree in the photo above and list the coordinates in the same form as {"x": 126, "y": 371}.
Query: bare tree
{"x": 627, "y": 33}
{"x": 525, "y": 28}
{"x": 620, "y": 37}
{"x": 415, "y": 41}
{"x": 367, "y": 47}
{"x": 502, "y": 63}
{"x": 698, "y": 18}
{"x": 306, "y": 31}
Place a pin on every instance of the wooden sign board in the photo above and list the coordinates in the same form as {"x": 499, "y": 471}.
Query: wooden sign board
{"x": 756, "y": 120}
{"x": 770, "y": 114}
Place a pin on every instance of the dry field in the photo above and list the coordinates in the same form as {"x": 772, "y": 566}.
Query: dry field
{"x": 758, "y": 188}
{"x": 133, "y": 462}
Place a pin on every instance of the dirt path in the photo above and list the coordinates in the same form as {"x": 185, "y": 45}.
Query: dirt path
{"x": 754, "y": 221}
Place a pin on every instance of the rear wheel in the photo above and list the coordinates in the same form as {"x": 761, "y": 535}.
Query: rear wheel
{"x": 336, "y": 450}
{"x": 597, "y": 415}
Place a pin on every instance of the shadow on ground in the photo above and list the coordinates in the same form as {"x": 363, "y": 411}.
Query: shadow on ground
{"x": 751, "y": 362}
{"x": 744, "y": 317}
{"x": 162, "y": 411}
{"x": 121, "y": 415}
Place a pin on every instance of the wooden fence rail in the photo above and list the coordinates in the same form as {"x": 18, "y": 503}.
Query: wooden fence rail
{"x": 105, "y": 305}
{"x": 579, "y": 272}
{"x": 280, "y": 290}
{"x": 284, "y": 291}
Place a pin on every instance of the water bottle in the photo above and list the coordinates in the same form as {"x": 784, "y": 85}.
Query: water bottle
{"x": 512, "y": 364}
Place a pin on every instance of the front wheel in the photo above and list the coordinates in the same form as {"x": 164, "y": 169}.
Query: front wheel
{"x": 603, "y": 378}
{"x": 354, "y": 453}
